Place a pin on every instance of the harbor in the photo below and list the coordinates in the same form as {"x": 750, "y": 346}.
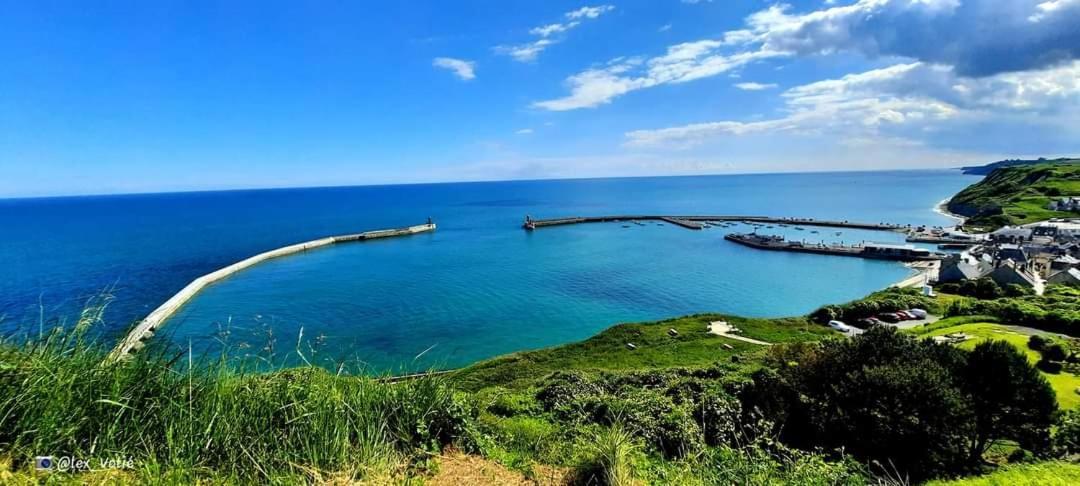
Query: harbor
{"x": 876, "y": 251}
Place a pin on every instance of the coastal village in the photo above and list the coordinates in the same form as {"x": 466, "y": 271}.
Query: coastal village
{"x": 1030, "y": 256}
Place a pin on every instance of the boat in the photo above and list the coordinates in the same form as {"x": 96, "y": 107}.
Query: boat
{"x": 798, "y": 228}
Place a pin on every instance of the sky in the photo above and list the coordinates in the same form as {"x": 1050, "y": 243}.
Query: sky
{"x": 118, "y": 97}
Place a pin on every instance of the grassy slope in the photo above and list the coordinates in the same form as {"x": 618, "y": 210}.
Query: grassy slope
{"x": 694, "y": 346}
{"x": 1017, "y": 195}
{"x": 1065, "y": 384}
{"x": 1054, "y": 473}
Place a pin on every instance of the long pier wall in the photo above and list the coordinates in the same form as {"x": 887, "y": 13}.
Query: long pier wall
{"x": 145, "y": 329}
{"x": 539, "y": 223}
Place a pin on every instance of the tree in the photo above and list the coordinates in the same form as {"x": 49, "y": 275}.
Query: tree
{"x": 926, "y": 408}
{"x": 883, "y": 396}
{"x": 1009, "y": 399}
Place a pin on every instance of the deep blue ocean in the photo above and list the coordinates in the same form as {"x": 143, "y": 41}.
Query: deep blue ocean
{"x": 478, "y": 287}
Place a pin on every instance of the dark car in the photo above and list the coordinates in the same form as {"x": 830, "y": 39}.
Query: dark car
{"x": 865, "y": 323}
{"x": 889, "y": 317}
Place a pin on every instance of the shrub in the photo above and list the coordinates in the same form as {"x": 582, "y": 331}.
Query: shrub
{"x": 1067, "y": 437}
{"x": 613, "y": 453}
{"x": 1052, "y": 367}
{"x": 1054, "y": 351}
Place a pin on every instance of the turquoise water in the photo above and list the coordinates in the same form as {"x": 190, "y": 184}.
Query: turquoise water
{"x": 478, "y": 287}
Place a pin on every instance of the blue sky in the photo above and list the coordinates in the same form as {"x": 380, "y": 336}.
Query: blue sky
{"x": 112, "y": 97}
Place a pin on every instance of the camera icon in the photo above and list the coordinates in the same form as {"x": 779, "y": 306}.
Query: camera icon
{"x": 43, "y": 463}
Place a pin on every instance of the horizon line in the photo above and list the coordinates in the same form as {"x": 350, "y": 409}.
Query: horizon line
{"x": 432, "y": 183}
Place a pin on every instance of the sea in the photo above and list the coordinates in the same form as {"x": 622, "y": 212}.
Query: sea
{"x": 478, "y": 287}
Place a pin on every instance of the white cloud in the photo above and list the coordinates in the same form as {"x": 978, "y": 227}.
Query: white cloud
{"x": 682, "y": 63}
{"x": 1050, "y": 8}
{"x": 751, "y": 86}
{"x": 529, "y": 51}
{"x": 664, "y": 28}
{"x": 524, "y": 131}
{"x": 589, "y": 12}
{"x": 464, "y": 70}
{"x": 546, "y": 30}
{"x": 900, "y": 102}
{"x": 525, "y": 52}
{"x": 978, "y": 38}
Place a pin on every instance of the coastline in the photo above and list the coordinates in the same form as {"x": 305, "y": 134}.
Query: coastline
{"x": 942, "y": 209}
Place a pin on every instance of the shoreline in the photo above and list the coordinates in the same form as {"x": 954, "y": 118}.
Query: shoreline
{"x": 942, "y": 209}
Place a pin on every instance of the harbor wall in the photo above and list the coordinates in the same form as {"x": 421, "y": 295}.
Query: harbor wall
{"x": 679, "y": 220}
{"x": 144, "y": 329}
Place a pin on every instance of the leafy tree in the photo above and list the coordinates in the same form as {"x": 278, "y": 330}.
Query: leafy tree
{"x": 1009, "y": 399}
{"x": 883, "y": 395}
{"x": 926, "y": 408}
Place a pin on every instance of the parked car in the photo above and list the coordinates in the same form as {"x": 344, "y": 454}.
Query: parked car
{"x": 840, "y": 326}
{"x": 921, "y": 314}
{"x": 865, "y": 323}
{"x": 905, "y": 315}
{"x": 889, "y": 317}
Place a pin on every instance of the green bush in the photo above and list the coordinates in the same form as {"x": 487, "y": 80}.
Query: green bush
{"x": 1067, "y": 435}
{"x": 1052, "y": 367}
{"x": 1054, "y": 352}
{"x": 1057, "y": 310}
{"x": 888, "y": 300}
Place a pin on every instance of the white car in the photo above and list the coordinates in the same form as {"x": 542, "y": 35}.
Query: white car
{"x": 921, "y": 314}
{"x": 839, "y": 326}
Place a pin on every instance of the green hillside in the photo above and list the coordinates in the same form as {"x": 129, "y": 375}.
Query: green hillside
{"x": 1018, "y": 194}
{"x": 988, "y": 168}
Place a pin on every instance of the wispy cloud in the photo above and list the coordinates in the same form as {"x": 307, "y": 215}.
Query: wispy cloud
{"x": 591, "y": 12}
{"x": 464, "y": 70}
{"x": 524, "y": 131}
{"x": 682, "y": 63}
{"x": 751, "y": 86}
{"x": 530, "y": 51}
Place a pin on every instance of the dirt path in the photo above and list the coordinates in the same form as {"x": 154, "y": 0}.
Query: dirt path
{"x": 722, "y": 328}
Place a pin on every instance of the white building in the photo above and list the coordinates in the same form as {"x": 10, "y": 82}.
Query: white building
{"x": 1065, "y": 204}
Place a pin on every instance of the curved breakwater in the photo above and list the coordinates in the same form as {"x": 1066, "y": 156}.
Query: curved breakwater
{"x": 144, "y": 330}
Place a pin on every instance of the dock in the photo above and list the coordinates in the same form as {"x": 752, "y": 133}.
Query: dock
{"x": 871, "y": 251}
{"x": 144, "y": 330}
{"x": 697, "y": 221}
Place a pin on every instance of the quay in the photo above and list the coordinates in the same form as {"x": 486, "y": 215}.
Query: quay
{"x": 903, "y": 253}
{"x": 136, "y": 338}
{"x": 696, "y": 222}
